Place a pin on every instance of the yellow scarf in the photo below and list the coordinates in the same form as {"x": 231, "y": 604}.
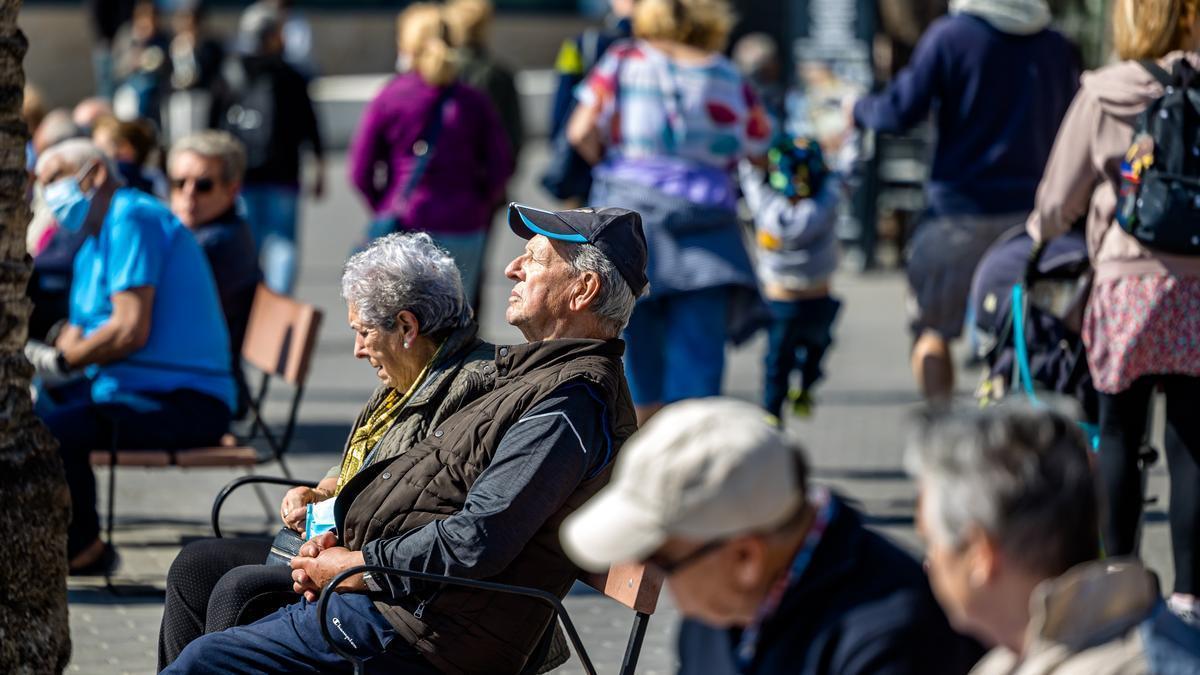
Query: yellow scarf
{"x": 377, "y": 424}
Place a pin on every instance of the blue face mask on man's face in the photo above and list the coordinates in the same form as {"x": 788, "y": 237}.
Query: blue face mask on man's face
{"x": 67, "y": 201}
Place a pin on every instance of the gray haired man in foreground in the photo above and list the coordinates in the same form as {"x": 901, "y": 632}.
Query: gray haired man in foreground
{"x": 786, "y": 577}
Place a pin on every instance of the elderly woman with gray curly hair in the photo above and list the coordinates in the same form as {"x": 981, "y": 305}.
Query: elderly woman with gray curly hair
{"x": 412, "y": 323}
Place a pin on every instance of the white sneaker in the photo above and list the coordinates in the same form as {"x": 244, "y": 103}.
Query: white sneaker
{"x": 1188, "y": 610}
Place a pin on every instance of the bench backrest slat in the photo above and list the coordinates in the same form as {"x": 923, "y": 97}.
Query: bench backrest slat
{"x": 633, "y": 585}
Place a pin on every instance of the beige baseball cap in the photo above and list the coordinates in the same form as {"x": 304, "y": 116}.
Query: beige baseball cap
{"x": 704, "y": 469}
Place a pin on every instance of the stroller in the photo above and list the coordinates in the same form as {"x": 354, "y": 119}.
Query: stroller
{"x": 1028, "y": 312}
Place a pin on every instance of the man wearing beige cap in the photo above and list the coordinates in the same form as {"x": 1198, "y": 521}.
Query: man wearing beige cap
{"x": 786, "y": 578}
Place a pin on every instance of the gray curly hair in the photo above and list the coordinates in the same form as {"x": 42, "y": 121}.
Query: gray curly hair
{"x": 406, "y": 271}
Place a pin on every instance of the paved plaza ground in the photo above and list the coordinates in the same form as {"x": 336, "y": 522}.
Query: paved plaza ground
{"x": 854, "y": 441}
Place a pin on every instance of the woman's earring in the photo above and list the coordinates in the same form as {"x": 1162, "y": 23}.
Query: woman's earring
{"x": 406, "y": 344}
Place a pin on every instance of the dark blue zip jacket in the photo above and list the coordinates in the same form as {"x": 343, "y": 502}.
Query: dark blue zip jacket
{"x": 997, "y": 101}
{"x": 862, "y": 607}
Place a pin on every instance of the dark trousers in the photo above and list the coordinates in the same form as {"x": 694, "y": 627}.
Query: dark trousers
{"x": 179, "y": 419}
{"x": 800, "y": 333}
{"x": 1123, "y": 420}
{"x": 216, "y": 584}
{"x": 290, "y": 641}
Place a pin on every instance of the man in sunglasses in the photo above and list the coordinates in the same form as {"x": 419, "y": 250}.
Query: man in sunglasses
{"x": 785, "y": 577}
{"x": 206, "y": 170}
{"x": 145, "y": 328}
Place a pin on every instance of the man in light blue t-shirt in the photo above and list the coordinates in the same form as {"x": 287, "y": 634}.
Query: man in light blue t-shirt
{"x": 145, "y": 328}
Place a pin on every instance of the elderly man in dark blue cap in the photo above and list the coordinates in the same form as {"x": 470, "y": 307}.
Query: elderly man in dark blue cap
{"x": 483, "y": 495}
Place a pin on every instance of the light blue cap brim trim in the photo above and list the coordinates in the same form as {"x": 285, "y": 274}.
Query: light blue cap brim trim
{"x": 573, "y": 238}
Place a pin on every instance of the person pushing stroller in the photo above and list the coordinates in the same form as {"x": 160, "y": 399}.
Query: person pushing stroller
{"x": 794, "y": 197}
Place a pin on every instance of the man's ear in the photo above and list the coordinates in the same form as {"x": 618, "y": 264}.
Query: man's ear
{"x": 585, "y": 291}
{"x": 985, "y": 558}
{"x": 749, "y": 555}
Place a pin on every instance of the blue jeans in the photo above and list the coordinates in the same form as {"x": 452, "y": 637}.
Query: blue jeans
{"x": 676, "y": 346}
{"x": 272, "y": 211}
{"x": 290, "y": 641}
{"x": 799, "y": 334}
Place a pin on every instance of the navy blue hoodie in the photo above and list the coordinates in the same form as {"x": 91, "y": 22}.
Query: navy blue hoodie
{"x": 997, "y": 99}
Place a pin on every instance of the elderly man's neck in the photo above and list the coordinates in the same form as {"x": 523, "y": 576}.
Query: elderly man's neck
{"x": 578, "y": 326}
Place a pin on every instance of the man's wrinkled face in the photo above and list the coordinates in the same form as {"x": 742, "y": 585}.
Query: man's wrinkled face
{"x": 542, "y": 292}
{"x": 199, "y": 194}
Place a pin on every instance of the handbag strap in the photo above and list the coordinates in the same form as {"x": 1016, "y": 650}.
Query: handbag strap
{"x": 427, "y": 139}
{"x": 1156, "y": 71}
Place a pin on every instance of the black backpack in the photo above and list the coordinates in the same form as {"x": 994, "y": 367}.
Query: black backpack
{"x": 250, "y": 113}
{"x": 1159, "y": 201}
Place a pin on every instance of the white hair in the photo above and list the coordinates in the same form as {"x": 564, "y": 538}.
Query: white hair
{"x": 614, "y": 304}
{"x": 213, "y": 144}
{"x": 76, "y": 152}
{"x": 406, "y": 271}
{"x": 1018, "y": 474}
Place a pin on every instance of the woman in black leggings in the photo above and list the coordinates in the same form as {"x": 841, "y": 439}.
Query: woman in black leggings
{"x": 1142, "y": 322}
{"x": 1124, "y": 418}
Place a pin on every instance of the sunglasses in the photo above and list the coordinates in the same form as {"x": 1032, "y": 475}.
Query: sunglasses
{"x": 199, "y": 185}
{"x": 670, "y": 567}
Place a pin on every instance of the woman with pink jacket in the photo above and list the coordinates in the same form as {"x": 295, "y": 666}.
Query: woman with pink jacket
{"x": 1142, "y": 324}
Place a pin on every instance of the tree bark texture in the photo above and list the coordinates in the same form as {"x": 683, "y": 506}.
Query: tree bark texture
{"x": 34, "y": 631}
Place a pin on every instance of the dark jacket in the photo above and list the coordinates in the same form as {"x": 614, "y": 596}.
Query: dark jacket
{"x": 998, "y": 100}
{"x": 264, "y": 102}
{"x": 482, "y": 71}
{"x": 575, "y": 58}
{"x": 863, "y": 605}
{"x": 462, "y": 631}
{"x": 229, "y": 247}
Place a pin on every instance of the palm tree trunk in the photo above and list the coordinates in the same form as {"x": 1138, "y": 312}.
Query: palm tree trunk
{"x": 34, "y": 503}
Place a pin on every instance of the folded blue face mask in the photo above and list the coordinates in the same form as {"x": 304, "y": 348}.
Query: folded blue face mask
{"x": 67, "y": 201}
{"x": 320, "y": 518}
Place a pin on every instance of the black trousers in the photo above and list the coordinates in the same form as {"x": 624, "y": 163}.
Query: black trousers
{"x": 178, "y": 419}
{"x": 216, "y": 584}
{"x": 1123, "y": 420}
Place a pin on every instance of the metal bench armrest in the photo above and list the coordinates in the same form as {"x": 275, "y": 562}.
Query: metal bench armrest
{"x": 248, "y": 480}
{"x": 548, "y": 598}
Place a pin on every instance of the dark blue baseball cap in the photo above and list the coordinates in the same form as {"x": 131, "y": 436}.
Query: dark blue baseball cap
{"x": 616, "y": 232}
